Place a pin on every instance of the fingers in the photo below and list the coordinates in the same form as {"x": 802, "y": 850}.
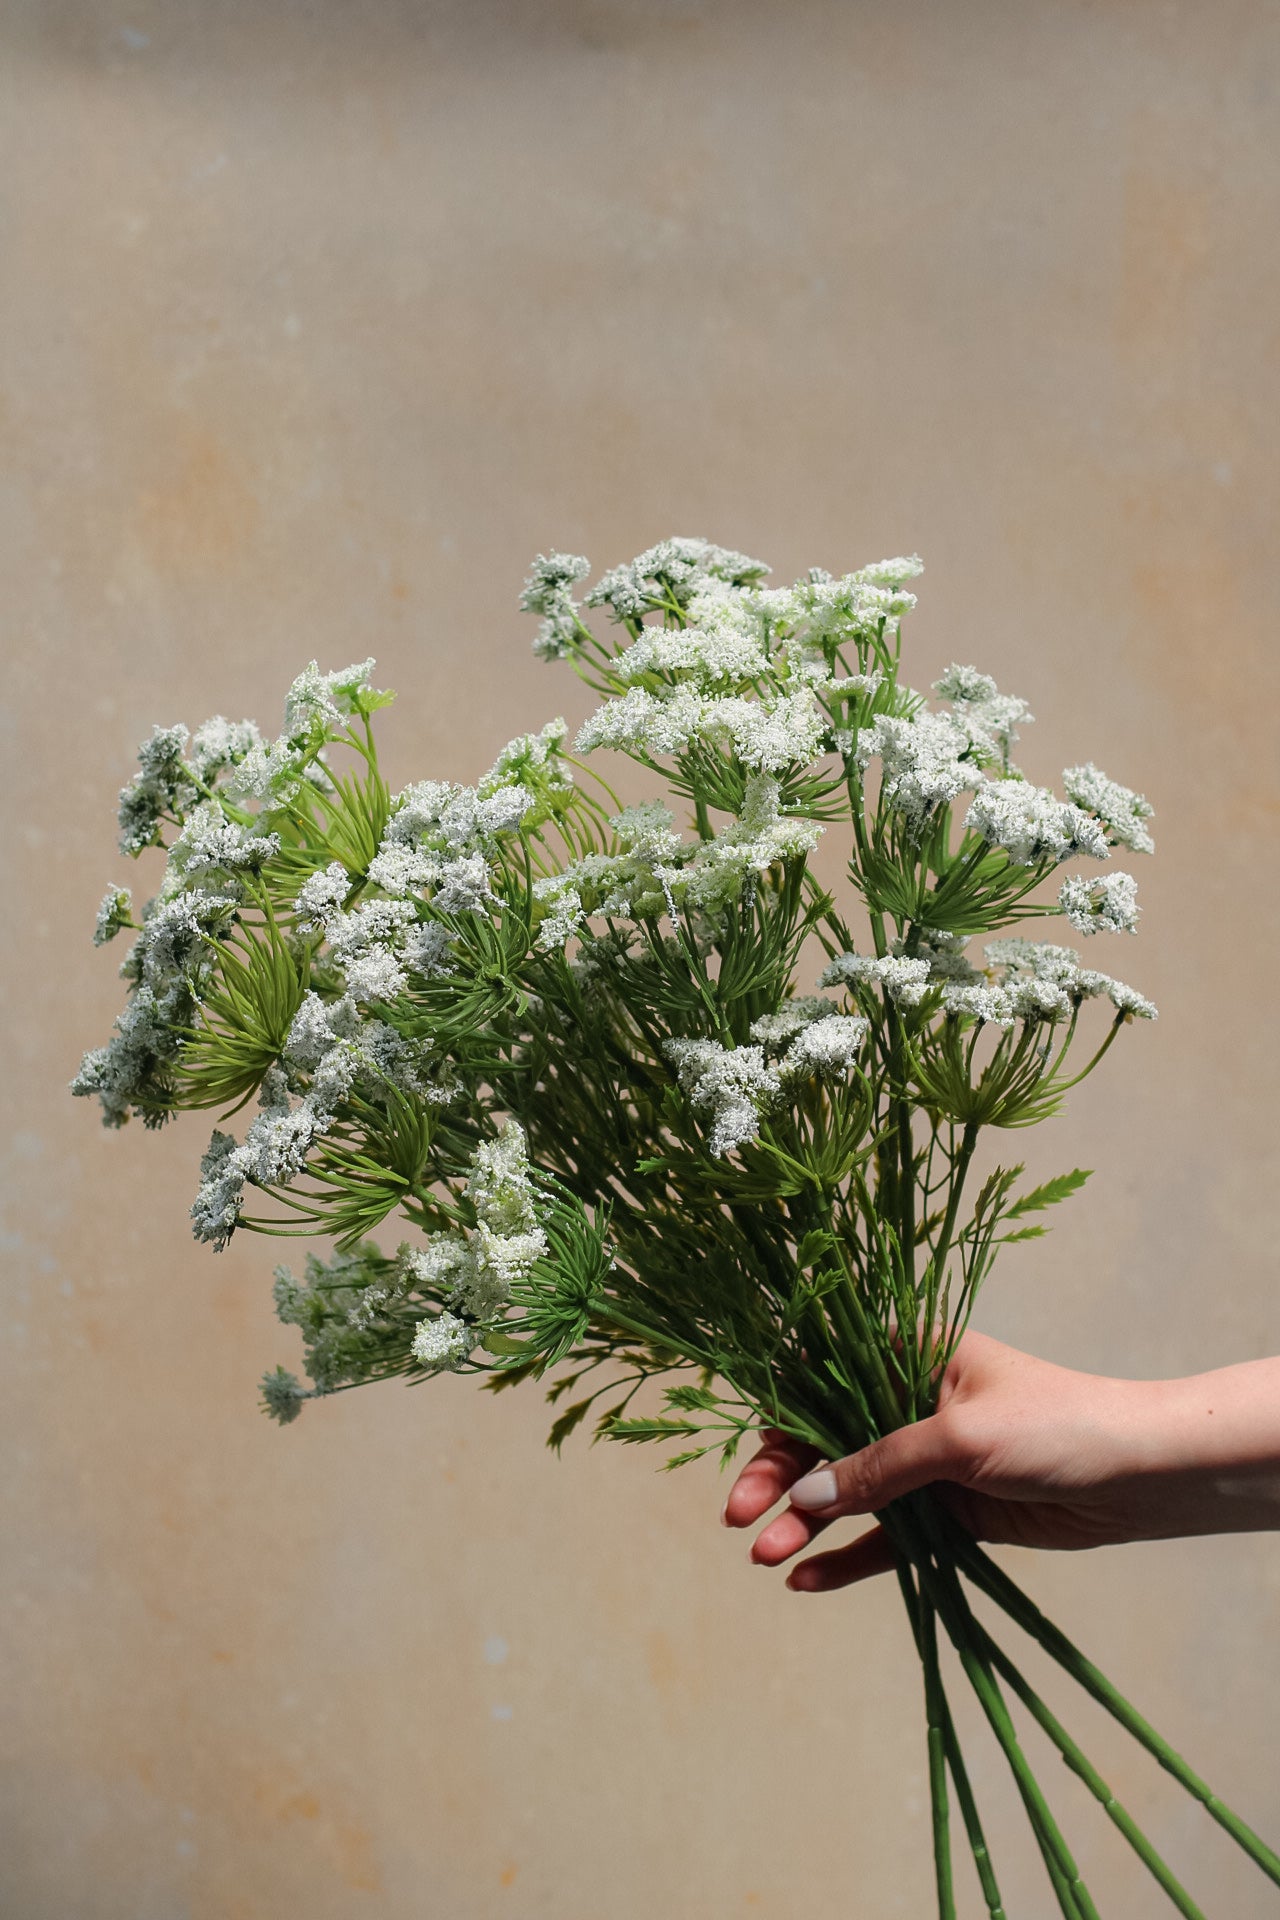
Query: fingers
{"x": 908, "y": 1458}
{"x": 784, "y": 1536}
{"x": 862, "y": 1559}
{"x": 766, "y": 1477}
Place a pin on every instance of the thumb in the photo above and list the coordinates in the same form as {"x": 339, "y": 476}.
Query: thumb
{"x": 863, "y": 1482}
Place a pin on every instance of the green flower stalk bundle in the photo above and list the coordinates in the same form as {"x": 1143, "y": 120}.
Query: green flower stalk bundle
{"x": 632, "y": 1096}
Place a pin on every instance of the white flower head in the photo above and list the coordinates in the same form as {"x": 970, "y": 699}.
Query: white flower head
{"x": 1059, "y": 968}
{"x": 221, "y": 743}
{"x": 984, "y": 1005}
{"x": 320, "y": 897}
{"x": 1119, "y": 808}
{"x": 209, "y": 842}
{"x": 401, "y": 869}
{"x": 991, "y": 717}
{"x": 1032, "y": 825}
{"x": 547, "y": 591}
{"x": 426, "y": 950}
{"x": 163, "y": 788}
{"x": 905, "y": 981}
{"x": 645, "y": 722}
{"x": 674, "y": 569}
{"x": 1106, "y": 904}
{"x": 271, "y": 771}
{"x": 533, "y": 762}
{"x": 733, "y": 1085}
{"x": 443, "y": 1344}
{"x": 283, "y": 1394}
{"x": 177, "y": 936}
{"x": 499, "y": 1184}
{"x": 769, "y": 735}
{"x": 372, "y": 923}
{"x": 775, "y": 1031}
{"x": 563, "y": 911}
{"x": 927, "y": 761}
{"x": 375, "y": 975}
{"x": 115, "y": 912}
{"x": 216, "y": 1208}
{"x": 827, "y": 1048}
{"x": 318, "y": 701}
{"x": 462, "y": 886}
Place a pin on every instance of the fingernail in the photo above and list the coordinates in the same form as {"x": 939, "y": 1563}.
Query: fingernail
{"x": 816, "y": 1489}
{"x": 724, "y": 1514}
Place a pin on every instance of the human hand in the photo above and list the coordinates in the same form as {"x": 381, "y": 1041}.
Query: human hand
{"x": 1037, "y": 1455}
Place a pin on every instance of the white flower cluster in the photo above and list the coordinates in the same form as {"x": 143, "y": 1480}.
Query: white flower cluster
{"x": 817, "y": 616}
{"x": 210, "y": 843}
{"x": 316, "y": 707}
{"x": 1108, "y": 904}
{"x": 736, "y": 1085}
{"x": 904, "y": 981}
{"x": 334, "y": 1046}
{"x": 366, "y": 944}
{"x": 438, "y": 837}
{"x": 477, "y": 1271}
{"x": 656, "y": 870}
{"x": 441, "y": 840}
{"x": 329, "y": 1048}
{"x": 1032, "y": 981}
{"x": 780, "y": 730}
{"x": 162, "y": 788}
{"x": 928, "y": 761}
{"x": 1119, "y": 808}
{"x": 273, "y": 1151}
{"x": 673, "y": 570}
{"x": 547, "y": 591}
{"x": 535, "y": 762}
{"x": 945, "y": 955}
{"x": 1032, "y": 825}
{"x": 318, "y": 702}
{"x": 221, "y": 743}
{"x": 167, "y": 966}
{"x": 991, "y": 718}
{"x": 442, "y": 837}
{"x": 724, "y": 642}
{"x": 113, "y": 914}
{"x": 444, "y": 1343}
{"x": 733, "y": 1085}
{"x": 122, "y": 1075}
{"x": 176, "y": 938}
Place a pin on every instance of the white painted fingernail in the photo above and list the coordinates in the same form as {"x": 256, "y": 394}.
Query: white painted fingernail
{"x": 816, "y": 1489}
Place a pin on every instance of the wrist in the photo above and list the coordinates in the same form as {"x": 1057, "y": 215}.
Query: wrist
{"x": 1204, "y": 1450}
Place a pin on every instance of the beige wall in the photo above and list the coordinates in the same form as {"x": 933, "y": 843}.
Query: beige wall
{"x": 318, "y": 321}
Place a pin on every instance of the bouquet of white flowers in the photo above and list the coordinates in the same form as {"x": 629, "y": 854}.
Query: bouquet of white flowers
{"x": 645, "y": 1103}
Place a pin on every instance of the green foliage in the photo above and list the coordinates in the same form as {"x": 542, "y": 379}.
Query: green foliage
{"x": 245, "y": 1013}
{"x": 576, "y": 1053}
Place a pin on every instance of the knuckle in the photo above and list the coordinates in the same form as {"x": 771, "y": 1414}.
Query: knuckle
{"x": 864, "y": 1477}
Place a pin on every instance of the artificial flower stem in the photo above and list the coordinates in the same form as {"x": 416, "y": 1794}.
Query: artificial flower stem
{"x": 999, "y": 1587}
{"x": 1076, "y": 1760}
{"x": 934, "y": 1710}
{"x": 959, "y": 1772}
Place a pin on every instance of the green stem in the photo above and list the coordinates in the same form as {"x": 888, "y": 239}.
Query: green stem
{"x": 934, "y": 1710}
{"x": 1079, "y": 1764}
{"x": 1077, "y": 1903}
{"x": 997, "y": 1584}
{"x": 913, "y": 1527}
{"x": 959, "y": 1772}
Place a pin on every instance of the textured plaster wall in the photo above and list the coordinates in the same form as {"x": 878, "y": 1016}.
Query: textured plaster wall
{"x": 318, "y": 320}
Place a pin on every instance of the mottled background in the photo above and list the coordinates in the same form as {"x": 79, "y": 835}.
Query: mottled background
{"x": 319, "y": 319}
